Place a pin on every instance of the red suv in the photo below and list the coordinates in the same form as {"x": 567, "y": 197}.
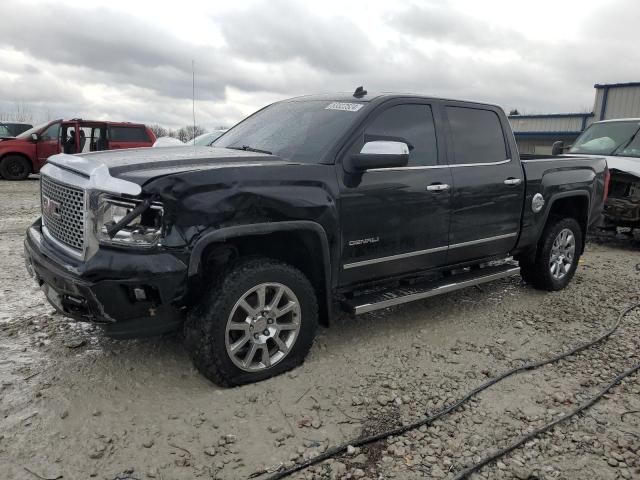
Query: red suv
{"x": 27, "y": 153}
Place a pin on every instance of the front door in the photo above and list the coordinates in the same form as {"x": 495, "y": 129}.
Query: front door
{"x": 48, "y": 143}
{"x": 488, "y": 192}
{"x": 396, "y": 220}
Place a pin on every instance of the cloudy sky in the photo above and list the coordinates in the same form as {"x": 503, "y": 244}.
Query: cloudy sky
{"x": 131, "y": 59}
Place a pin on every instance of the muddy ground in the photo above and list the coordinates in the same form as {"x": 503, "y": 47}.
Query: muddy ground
{"x": 75, "y": 404}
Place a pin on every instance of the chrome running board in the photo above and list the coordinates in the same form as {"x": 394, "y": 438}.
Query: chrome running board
{"x": 396, "y": 296}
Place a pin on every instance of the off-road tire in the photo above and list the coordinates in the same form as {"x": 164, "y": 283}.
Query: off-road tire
{"x": 204, "y": 328}
{"x": 14, "y": 167}
{"x": 535, "y": 271}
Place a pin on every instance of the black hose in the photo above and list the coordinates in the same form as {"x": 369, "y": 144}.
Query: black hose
{"x": 525, "y": 438}
{"x": 333, "y": 451}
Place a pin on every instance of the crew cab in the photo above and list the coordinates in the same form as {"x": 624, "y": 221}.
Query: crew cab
{"x": 27, "y": 152}
{"x": 309, "y": 206}
{"x": 619, "y": 143}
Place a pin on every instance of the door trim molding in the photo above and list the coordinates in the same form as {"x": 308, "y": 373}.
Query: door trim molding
{"x": 415, "y": 253}
{"x": 483, "y": 240}
{"x": 436, "y": 167}
{"x": 391, "y": 258}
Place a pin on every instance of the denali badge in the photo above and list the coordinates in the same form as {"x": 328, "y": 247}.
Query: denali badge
{"x": 364, "y": 241}
{"x": 50, "y": 207}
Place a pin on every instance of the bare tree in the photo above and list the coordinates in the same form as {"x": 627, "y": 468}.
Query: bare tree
{"x": 158, "y": 130}
{"x": 190, "y": 132}
{"x": 161, "y": 131}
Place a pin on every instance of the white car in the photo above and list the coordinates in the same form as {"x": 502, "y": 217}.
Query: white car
{"x": 167, "y": 142}
{"x": 206, "y": 139}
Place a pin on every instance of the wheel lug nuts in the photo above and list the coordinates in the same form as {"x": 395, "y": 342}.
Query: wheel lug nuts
{"x": 270, "y": 321}
{"x": 266, "y": 332}
{"x": 256, "y": 336}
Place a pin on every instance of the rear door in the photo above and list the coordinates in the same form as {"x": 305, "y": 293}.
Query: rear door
{"x": 392, "y": 223}
{"x": 488, "y": 184}
{"x": 125, "y": 136}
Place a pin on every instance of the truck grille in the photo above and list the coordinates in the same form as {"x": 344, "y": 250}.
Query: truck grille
{"x": 63, "y": 212}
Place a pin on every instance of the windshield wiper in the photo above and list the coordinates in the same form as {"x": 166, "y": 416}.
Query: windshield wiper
{"x": 247, "y": 148}
{"x": 626, "y": 143}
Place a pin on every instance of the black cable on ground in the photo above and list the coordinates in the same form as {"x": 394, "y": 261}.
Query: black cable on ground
{"x": 525, "y": 438}
{"x": 333, "y": 451}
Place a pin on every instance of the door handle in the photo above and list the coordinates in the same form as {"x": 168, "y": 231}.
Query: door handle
{"x": 437, "y": 187}
{"x": 513, "y": 181}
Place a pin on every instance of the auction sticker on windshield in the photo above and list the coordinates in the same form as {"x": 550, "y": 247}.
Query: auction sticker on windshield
{"x": 347, "y": 107}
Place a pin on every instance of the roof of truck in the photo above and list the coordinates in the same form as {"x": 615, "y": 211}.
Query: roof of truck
{"x": 373, "y": 96}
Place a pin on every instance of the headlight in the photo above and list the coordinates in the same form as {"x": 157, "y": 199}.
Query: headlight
{"x": 142, "y": 231}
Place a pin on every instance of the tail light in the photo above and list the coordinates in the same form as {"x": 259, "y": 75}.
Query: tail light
{"x": 607, "y": 180}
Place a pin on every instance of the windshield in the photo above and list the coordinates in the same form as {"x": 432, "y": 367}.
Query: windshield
{"x": 609, "y": 138}
{"x": 36, "y": 129}
{"x": 297, "y": 130}
{"x": 4, "y": 131}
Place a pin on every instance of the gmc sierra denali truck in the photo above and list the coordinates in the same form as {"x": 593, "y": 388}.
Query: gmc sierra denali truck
{"x": 310, "y": 205}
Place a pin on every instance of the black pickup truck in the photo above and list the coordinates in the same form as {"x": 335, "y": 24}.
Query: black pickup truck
{"x": 311, "y": 205}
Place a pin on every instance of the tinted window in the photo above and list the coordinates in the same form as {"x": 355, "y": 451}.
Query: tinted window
{"x": 128, "y": 134}
{"x": 413, "y": 123}
{"x": 51, "y": 133}
{"x": 477, "y": 135}
{"x": 296, "y": 130}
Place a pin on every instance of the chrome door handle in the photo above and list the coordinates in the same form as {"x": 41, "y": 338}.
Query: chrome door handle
{"x": 513, "y": 181}
{"x": 438, "y": 187}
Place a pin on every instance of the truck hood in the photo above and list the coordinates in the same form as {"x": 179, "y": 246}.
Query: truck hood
{"x": 629, "y": 165}
{"x": 11, "y": 140}
{"x": 125, "y": 171}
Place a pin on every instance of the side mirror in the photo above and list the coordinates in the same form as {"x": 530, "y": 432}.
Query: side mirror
{"x": 379, "y": 154}
{"x": 35, "y": 137}
{"x": 557, "y": 148}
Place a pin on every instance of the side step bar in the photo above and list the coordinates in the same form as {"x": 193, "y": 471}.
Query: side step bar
{"x": 375, "y": 301}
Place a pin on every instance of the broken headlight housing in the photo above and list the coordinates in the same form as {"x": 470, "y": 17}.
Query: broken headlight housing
{"x": 144, "y": 230}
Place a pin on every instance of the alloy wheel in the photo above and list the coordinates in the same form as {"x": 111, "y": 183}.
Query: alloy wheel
{"x": 263, "y": 326}
{"x": 562, "y": 254}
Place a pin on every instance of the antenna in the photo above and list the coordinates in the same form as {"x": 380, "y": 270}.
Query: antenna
{"x": 193, "y": 97}
{"x": 360, "y": 92}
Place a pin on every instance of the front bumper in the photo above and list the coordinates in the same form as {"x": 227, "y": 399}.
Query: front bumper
{"x": 131, "y": 293}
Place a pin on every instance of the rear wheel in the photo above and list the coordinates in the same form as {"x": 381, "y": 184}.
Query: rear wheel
{"x": 557, "y": 255}
{"x": 15, "y": 167}
{"x": 257, "y": 320}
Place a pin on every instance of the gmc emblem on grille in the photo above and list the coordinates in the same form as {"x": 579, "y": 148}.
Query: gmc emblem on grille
{"x": 50, "y": 207}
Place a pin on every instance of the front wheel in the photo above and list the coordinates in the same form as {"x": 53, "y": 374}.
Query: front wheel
{"x": 14, "y": 167}
{"x": 557, "y": 255}
{"x": 257, "y": 320}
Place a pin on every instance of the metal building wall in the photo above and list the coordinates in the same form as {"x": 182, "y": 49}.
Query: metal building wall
{"x": 619, "y": 100}
{"x": 546, "y": 123}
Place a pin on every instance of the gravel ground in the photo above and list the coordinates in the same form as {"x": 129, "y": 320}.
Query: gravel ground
{"x": 75, "y": 404}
